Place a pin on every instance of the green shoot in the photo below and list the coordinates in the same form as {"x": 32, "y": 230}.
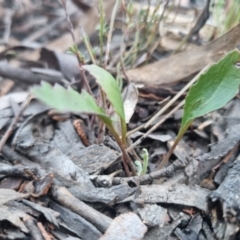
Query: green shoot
{"x": 213, "y": 90}
{"x": 145, "y": 157}
{"x": 69, "y": 100}
{"x": 139, "y": 166}
{"x": 142, "y": 166}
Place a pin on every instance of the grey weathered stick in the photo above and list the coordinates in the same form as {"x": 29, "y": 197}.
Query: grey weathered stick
{"x": 66, "y": 199}
{"x": 26, "y": 76}
{"x": 166, "y": 172}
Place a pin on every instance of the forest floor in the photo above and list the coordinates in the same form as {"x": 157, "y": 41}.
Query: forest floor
{"x": 68, "y": 175}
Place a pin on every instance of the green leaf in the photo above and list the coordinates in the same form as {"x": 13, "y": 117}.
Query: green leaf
{"x": 213, "y": 90}
{"x": 138, "y": 164}
{"x": 69, "y": 100}
{"x": 110, "y": 87}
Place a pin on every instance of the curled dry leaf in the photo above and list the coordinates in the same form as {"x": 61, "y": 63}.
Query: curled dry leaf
{"x": 130, "y": 96}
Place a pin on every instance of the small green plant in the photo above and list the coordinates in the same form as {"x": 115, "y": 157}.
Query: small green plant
{"x": 70, "y": 100}
{"x": 213, "y": 90}
{"x": 142, "y": 167}
{"x": 145, "y": 157}
{"x": 142, "y": 25}
{"x": 139, "y": 166}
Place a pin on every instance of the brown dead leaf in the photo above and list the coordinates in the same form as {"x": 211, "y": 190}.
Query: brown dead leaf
{"x": 185, "y": 64}
{"x": 130, "y": 96}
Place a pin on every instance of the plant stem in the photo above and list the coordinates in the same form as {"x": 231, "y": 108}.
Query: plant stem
{"x": 126, "y": 159}
{"x": 101, "y": 132}
{"x": 85, "y": 80}
{"x": 70, "y": 26}
{"x": 155, "y": 126}
{"x": 102, "y": 126}
{"x": 88, "y": 45}
{"x": 77, "y": 53}
{"x": 114, "y": 12}
{"x": 169, "y": 153}
{"x": 177, "y": 96}
{"x": 101, "y": 31}
{"x": 124, "y": 132}
{"x": 148, "y": 10}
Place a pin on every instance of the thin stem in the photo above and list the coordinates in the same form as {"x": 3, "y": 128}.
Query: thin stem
{"x": 77, "y": 53}
{"x": 114, "y": 13}
{"x": 169, "y": 153}
{"x": 129, "y": 133}
{"x": 177, "y": 96}
{"x": 102, "y": 126}
{"x": 126, "y": 159}
{"x": 136, "y": 42}
{"x": 123, "y": 69}
{"x": 101, "y": 132}
{"x": 148, "y": 10}
{"x": 155, "y": 126}
{"x": 83, "y": 75}
{"x": 70, "y": 26}
{"x": 88, "y": 45}
{"x": 102, "y": 20}
{"x": 152, "y": 26}
{"x": 124, "y": 132}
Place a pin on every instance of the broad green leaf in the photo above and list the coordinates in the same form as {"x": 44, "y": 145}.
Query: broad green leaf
{"x": 213, "y": 90}
{"x": 68, "y": 100}
{"x": 110, "y": 86}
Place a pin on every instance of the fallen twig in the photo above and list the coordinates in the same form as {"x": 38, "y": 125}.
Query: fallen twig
{"x": 155, "y": 126}
{"x": 66, "y": 199}
{"x": 14, "y": 122}
{"x": 27, "y": 76}
{"x": 166, "y": 172}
